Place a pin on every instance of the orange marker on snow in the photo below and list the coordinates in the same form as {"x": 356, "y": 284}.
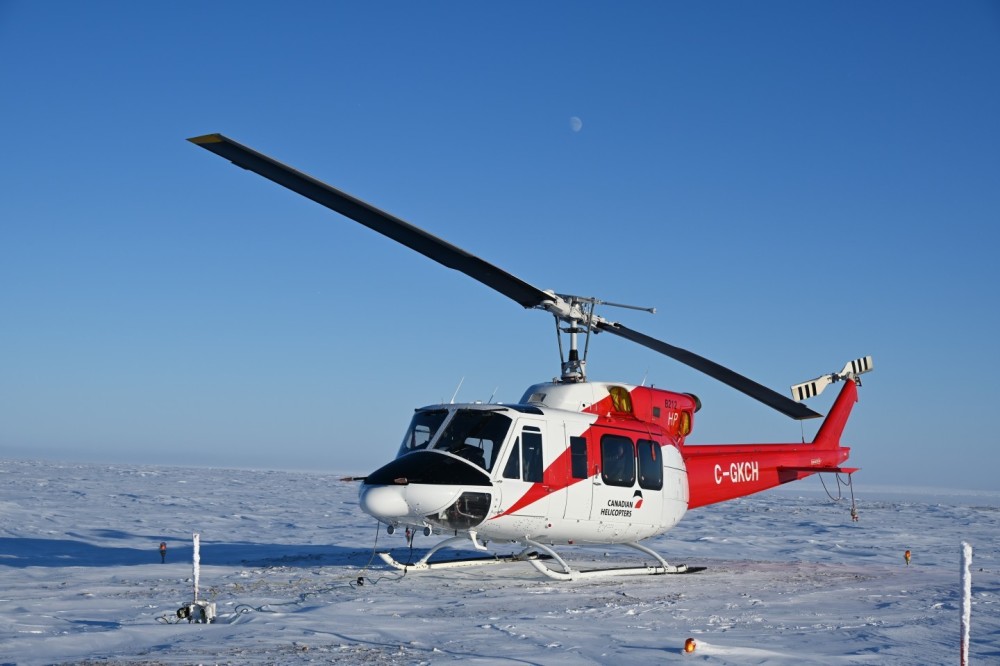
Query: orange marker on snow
{"x": 690, "y": 645}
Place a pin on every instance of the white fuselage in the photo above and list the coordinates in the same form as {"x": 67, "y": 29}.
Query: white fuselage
{"x": 532, "y": 472}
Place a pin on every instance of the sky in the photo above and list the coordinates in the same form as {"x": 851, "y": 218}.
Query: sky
{"x": 791, "y": 185}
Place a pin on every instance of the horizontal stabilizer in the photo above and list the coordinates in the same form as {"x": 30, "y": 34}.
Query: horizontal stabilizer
{"x": 811, "y": 470}
{"x": 814, "y": 387}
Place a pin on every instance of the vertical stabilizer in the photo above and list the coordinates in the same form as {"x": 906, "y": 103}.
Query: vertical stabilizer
{"x": 833, "y": 426}
{"x": 829, "y": 433}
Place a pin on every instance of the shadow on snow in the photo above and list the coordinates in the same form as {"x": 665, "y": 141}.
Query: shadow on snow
{"x": 33, "y": 552}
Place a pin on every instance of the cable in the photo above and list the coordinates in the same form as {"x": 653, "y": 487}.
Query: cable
{"x": 840, "y": 492}
{"x": 243, "y": 609}
{"x": 376, "y": 581}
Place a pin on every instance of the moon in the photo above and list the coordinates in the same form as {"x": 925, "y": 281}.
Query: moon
{"x": 575, "y": 124}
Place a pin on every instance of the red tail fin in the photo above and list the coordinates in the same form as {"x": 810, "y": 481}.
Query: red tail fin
{"x": 829, "y": 433}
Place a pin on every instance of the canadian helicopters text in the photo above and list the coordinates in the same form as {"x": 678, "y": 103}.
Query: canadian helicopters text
{"x": 573, "y": 461}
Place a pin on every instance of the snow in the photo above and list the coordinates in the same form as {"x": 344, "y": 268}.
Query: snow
{"x": 790, "y": 579}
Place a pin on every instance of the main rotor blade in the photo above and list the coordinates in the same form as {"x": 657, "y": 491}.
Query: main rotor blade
{"x": 378, "y": 220}
{"x": 773, "y": 399}
{"x": 458, "y": 259}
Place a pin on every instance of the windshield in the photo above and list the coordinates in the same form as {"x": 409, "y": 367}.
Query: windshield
{"x": 422, "y": 429}
{"x": 475, "y": 435}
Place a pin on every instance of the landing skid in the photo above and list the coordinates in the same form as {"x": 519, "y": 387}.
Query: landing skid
{"x": 423, "y": 564}
{"x": 537, "y": 555}
{"x": 568, "y": 573}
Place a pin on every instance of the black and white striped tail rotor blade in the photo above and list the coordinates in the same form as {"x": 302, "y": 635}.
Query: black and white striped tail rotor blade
{"x": 814, "y": 387}
{"x": 857, "y": 367}
{"x": 811, "y": 388}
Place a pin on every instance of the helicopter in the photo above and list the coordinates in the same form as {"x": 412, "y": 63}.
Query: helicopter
{"x": 574, "y": 461}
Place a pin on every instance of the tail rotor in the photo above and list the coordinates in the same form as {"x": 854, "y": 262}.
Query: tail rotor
{"x": 814, "y": 387}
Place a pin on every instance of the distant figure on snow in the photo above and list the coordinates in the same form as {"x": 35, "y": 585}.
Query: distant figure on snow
{"x": 163, "y": 551}
{"x": 854, "y": 513}
{"x": 906, "y": 556}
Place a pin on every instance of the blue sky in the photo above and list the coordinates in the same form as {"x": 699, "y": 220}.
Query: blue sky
{"x": 792, "y": 185}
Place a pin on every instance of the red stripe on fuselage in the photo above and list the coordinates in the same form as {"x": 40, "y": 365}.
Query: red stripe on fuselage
{"x": 556, "y": 477}
{"x": 559, "y": 476}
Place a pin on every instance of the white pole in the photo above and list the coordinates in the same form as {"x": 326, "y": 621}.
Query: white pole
{"x": 966, "y": 601}
{"x": 197, "y": 564}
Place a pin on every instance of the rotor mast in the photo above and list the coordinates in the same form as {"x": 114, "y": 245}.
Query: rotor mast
{"x": 578, "y": 313}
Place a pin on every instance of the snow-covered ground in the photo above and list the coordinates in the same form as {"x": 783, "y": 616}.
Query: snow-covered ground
{"x": 790, "y": 579}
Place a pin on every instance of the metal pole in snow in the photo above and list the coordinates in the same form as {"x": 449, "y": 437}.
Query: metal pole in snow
{"x": 197, "y": 564}
{"x": 966, "y": 601}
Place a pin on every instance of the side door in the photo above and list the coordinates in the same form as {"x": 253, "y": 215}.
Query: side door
{"x": 580, "y": 487}
{"x": 614, "y": 487}
{"x": 521, "y": 479}
{"x": 629, "y": 489}
{"x": 650, "y": 467}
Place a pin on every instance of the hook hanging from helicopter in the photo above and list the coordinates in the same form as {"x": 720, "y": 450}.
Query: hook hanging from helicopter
{"x": 577, "y": 312}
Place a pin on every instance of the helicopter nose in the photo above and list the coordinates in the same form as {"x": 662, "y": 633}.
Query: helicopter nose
{"x": 384, "y": 501}
{"x": 400, "y": 501}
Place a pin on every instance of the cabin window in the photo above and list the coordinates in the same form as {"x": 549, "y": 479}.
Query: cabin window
{"x": 512, "y": 470}
{"x": 578, "y": 457}
{"x": 422, "y": 429}
{"x": 526, "y": 455}
{"x": 617, "y": 461}
{"x": 475, "y": 435}
{"x": 531, "y": 454}
{"x": 650, "y": 465}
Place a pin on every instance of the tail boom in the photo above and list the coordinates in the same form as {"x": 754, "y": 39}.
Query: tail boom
{"x": 720, "y": 472}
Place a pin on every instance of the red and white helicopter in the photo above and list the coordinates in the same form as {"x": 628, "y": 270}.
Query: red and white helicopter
{"x": 573, "y": 462}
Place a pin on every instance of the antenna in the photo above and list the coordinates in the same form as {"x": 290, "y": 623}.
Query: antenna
{"x": 457, "y": 388}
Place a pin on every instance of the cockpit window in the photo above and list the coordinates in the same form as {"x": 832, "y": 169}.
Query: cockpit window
{"x": 475, "y": 435}
{"x": 422, "y": 429}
